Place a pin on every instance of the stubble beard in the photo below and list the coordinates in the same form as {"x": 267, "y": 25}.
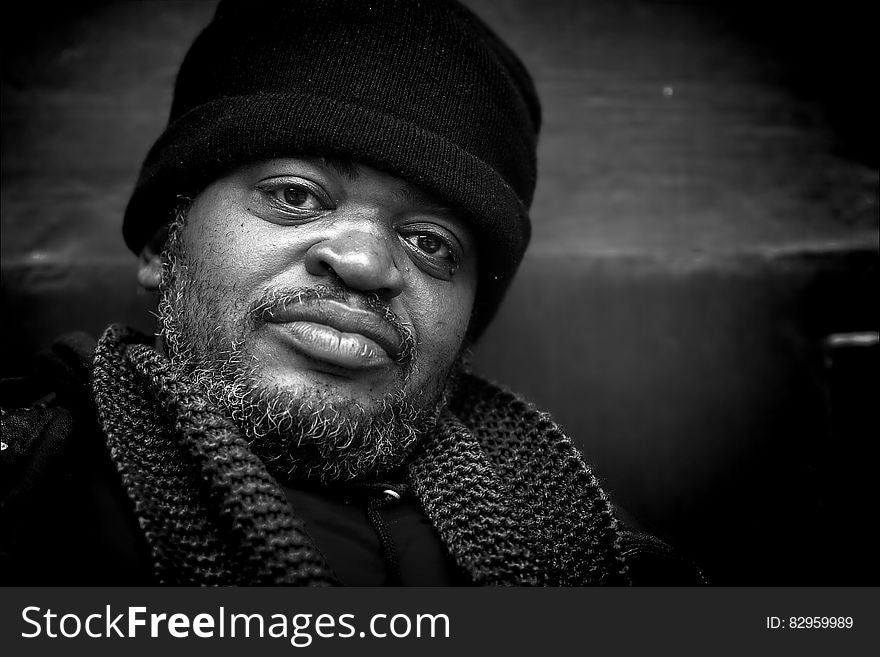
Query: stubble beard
{"x": 302, "y": 434}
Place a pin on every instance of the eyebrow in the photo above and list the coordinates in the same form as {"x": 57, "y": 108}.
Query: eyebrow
{"x": 460, "y": 227}
{"x": 413, "y": 195}
{"x": 343, "y": 167}
{"x": 406, "y": 193}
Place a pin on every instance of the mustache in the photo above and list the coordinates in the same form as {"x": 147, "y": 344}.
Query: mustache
{"x": 275, "y": 300}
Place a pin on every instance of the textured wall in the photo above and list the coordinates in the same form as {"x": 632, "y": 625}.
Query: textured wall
{"x": 706, "y": 216}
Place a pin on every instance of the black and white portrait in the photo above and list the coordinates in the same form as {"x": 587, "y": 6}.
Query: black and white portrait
{"x": 422, "y": 293}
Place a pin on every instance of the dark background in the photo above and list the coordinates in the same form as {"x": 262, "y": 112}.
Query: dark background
{"x": 706, "y": 218}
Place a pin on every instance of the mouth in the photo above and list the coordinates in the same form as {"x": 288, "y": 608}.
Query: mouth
{"x": 338, "y": 334}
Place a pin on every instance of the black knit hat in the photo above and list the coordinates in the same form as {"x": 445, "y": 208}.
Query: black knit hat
{"x": 421, "y": 89}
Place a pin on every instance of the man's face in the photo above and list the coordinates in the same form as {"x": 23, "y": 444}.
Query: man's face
{"x": 323, "y": 305}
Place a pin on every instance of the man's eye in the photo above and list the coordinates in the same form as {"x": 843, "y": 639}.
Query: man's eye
{"x": 293, "y": 198}
{"x": 433, "y": 249}
{"x": 430, "y": 244}
{"x": 299, "y": 198}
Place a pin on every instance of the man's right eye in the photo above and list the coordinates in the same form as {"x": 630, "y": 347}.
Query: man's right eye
{"x": 296, "y": 197}
{"x": 299, "y": 197}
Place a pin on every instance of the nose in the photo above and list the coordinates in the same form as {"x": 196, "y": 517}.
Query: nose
{"x": 362, "y": 260}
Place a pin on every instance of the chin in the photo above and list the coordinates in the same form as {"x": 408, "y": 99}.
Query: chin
{"x": 318, "y": 387}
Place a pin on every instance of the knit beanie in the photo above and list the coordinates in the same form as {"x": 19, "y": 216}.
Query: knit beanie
{"x": 421, "y": 89}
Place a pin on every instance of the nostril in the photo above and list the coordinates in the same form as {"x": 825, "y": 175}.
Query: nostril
{"x": 319, "y": 260}
{"x": 326, "y": 269}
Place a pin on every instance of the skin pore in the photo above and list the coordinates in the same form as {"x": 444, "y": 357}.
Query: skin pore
{"x": 321, "y": 305}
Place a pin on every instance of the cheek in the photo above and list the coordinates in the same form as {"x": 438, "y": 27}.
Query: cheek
{"x": 237, "y": 255}
{"x": 441, "y": 319}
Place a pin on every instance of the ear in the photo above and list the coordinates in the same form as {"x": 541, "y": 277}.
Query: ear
{"x": 150, "y": 261}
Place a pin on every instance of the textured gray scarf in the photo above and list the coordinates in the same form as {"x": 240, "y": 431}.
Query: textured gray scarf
{"x": 508, "y": 494}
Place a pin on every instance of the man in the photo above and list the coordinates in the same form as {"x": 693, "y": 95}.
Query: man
{"x": 330, "y": 219}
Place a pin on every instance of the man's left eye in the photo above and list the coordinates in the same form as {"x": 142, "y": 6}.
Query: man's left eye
{"x": 430, "y": 244}
{"x": 433, "y": 249}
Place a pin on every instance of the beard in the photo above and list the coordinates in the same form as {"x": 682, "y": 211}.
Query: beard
{"x": 302, "y": 433}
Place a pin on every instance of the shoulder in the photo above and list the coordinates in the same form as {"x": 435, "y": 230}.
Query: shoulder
{"x": 35, "y": 473}
{"x": 520, "y": 437}
{"x": 41, "y": 412}
{"x": 57, "y": 480}
{"x": 34, "y": 439}
{"x": 41, "y": 415}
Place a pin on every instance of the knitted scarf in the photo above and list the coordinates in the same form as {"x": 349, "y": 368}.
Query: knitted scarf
{"x": 505, "y": 489}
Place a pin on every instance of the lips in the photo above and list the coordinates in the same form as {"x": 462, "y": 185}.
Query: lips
{"x": 337, "y": 333}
